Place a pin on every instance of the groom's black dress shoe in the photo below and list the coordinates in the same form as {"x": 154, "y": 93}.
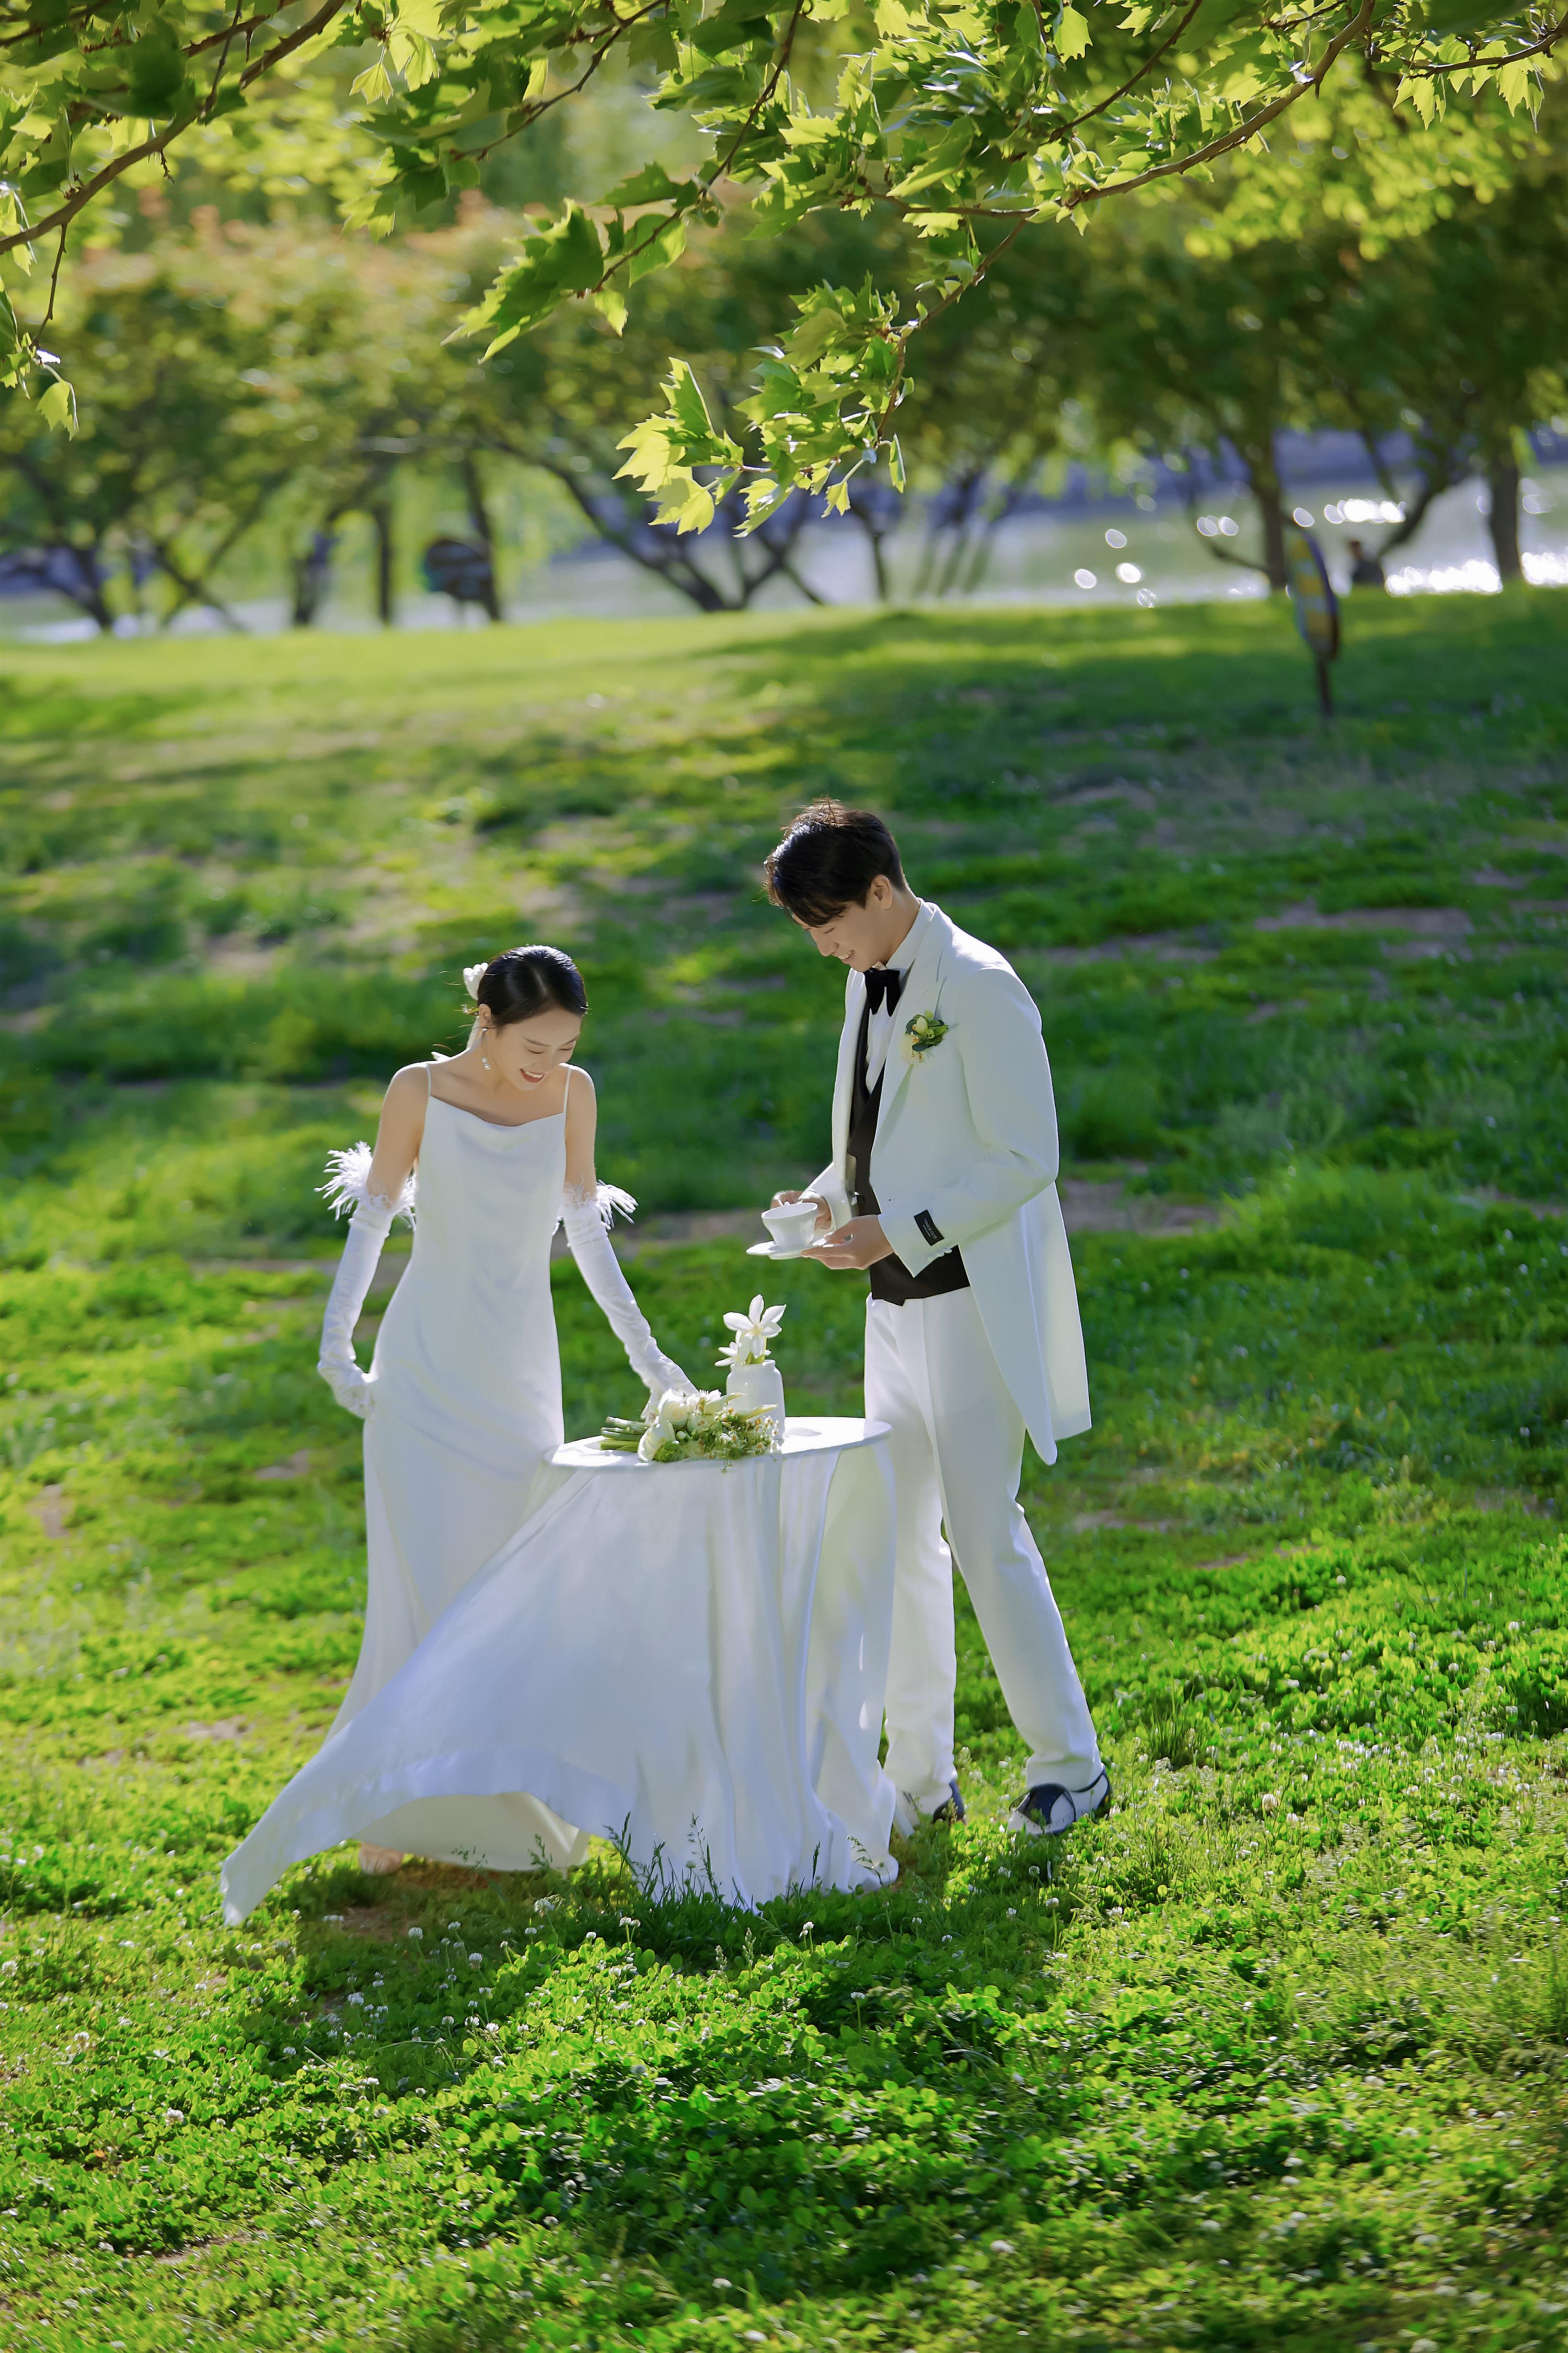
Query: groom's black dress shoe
{"x": 951, "y": 1809}
{"x": 1048, "y": 1809}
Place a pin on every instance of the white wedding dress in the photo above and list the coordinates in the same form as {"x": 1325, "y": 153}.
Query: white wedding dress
{"x": 529, "y": 1629}
{"x": 467, "y": 1375}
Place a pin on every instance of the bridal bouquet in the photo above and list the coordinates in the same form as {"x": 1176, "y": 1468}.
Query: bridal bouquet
{"x": 699, "y": 1425}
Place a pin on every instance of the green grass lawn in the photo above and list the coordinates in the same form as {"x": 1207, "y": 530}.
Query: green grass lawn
{"x": 1278, "y": 2058}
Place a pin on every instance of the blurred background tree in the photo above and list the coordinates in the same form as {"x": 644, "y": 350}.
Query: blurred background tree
{"x": 237, "y": 374}
{"x": 1458, "y": 340}
{"x": 979, "y": 134}
{"x": 317, "y": 375}
{"x": 1205, "y": 357}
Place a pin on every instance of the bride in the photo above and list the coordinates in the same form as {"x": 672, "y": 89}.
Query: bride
{"x": 484, "y": 1153}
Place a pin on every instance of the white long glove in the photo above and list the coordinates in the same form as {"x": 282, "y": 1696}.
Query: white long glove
{"x": 601, "y": 1271}
{"x": 371, "y": 1225}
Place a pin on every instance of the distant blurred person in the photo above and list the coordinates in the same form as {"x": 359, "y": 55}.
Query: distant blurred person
{"x": 1366, "y": 570}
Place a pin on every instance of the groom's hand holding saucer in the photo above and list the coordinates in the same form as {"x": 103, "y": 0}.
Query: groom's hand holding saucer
{"x": 859, "y": 1243}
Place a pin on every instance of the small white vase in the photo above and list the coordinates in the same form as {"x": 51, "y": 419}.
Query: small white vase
{"x": 759, "y": 1387}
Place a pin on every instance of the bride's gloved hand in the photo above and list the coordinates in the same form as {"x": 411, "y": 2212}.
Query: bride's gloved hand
{"x": 586, "y": 1219}
{"x": 351, "y": 1388}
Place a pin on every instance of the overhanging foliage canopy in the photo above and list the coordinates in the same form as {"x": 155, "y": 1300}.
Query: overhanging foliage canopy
{"x": 970, "y": 121}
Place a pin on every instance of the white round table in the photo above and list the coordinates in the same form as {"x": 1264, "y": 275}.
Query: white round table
{"x": 689, "y": 1659}
{"x": 803, "y": 1434}
{"x": 757, "y": 1599}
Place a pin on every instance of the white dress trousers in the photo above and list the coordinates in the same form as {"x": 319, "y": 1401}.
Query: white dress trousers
{"x": 958, "y": 1451}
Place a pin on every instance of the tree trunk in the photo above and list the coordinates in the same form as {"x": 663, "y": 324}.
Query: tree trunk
{"x": 703, "y": 594}
{"x": 1002, "y": 509}
{"x": 873, "y": 530}
{"x": 381, "y": 520}
{"x": 305, "y": 596}
{"x": 1502, "y": 515}
{"x": 958, "y": 549}
{"x": 310, "y": 573}
{"x": 480, "y": 521}
{"x": 1266, "y": 489}
{"x": 92, "y": 597}
{"x": 795, "y": 581}
{"x": 194, "y": 589}
{"x": 672, "y": 564}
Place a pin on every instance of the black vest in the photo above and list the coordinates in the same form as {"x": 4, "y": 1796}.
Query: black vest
{"x": 890, "y": 1278}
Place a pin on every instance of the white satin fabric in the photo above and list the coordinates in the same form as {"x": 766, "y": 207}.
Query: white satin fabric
{"x": 687, "y": 1659}
{"x": 467, "y": 1377}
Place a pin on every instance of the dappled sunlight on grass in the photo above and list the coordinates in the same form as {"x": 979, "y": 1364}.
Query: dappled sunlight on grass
{"x": 1272, "y": 2056}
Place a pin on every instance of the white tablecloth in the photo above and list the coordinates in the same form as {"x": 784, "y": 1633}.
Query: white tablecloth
{"x": 689, "y": 1659}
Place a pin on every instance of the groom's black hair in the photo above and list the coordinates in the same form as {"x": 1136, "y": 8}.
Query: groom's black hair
{"x": 829, "y": 860}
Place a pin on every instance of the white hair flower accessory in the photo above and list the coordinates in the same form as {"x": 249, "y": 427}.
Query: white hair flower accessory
{"x": 472, "y": 975}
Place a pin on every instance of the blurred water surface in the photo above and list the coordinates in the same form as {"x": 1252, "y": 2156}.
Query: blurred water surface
{"x": 1114, "y": 550}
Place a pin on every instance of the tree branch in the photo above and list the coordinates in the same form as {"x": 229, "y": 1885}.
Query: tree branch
{"x": 1238, "y": 136}
{"x": 63, "y": 215}
{"x": 696, "y": 586}
{"x": 292, "y": 41}
{"x": 194, "y": 589}
{"x": 1542, "y": 48}
{"x": 527, "y": 116}
{"x": 708, "y": 181}
{"x": 1067, "y": 129}
{"x": 1243, "y": 131}
{"x": 86, "y": 190}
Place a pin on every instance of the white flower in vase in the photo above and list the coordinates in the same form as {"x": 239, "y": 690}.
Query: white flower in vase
{"x": 755, "y": 1383}
{"x": 752, "y": 1331}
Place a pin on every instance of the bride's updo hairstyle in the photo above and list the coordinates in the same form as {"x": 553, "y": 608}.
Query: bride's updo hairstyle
{"x": 522, "y": 981}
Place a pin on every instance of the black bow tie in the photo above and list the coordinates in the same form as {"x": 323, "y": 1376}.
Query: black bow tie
{"x": 883, "y": 987}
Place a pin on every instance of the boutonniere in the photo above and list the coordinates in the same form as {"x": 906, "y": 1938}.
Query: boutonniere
{"x": 923, "y": 1033}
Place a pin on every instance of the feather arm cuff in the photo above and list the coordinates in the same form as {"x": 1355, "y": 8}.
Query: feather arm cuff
{"x": 348, "y": 1184}
{"x": 605, "y": 1198}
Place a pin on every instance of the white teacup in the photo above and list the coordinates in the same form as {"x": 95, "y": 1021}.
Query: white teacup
{"x": 791, "y": 1227}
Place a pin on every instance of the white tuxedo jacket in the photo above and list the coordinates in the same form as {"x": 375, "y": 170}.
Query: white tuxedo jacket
{"x": 967, "y": 1151}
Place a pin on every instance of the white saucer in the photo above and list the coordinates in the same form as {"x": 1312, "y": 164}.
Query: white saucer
{"x": 772, "y": 1250}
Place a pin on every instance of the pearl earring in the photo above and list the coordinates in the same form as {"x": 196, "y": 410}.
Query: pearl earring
{"x": 484, "y": 1058}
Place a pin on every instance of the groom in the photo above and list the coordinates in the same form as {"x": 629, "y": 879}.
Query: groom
{"x": 943, "y": 1187}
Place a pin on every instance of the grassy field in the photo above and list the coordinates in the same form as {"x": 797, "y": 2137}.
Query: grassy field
{"x": 1278, "y": 2057}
